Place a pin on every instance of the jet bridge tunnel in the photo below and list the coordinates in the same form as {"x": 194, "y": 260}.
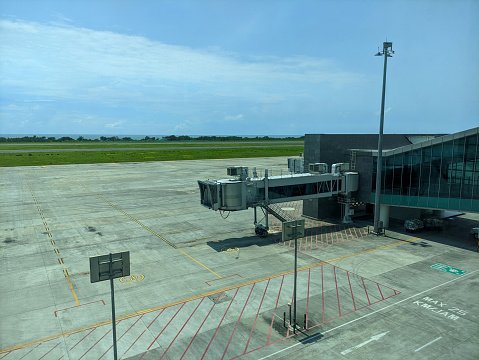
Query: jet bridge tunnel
{"x": 242, "y": 191}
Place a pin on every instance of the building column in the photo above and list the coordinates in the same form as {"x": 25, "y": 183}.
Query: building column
{"x": 384, "y": 215}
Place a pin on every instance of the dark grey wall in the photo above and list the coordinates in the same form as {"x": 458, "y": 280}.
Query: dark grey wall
{"x": 336, "y": 148}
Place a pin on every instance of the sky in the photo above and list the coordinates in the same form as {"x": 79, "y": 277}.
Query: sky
{"x": 237, "y": 67}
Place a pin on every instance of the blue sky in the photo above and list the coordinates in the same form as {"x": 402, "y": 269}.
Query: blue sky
{"x": 236, "y": 67}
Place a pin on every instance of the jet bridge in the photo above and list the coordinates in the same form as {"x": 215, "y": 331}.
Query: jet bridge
{"x": 242, "y": 191}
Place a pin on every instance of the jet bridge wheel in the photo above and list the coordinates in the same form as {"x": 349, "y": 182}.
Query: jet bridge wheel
{"x": 261, "y": 231}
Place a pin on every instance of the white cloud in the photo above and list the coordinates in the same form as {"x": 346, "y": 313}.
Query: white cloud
{"x": 70, "y": 62}
{"x": 115, "y": 125}
{"x": 388, "y": 109}
{"x": 89, "y": 81}
{"x": 238, "y": 117}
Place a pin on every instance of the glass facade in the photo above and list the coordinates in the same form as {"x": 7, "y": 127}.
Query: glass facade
{"x": 444, "y": 175}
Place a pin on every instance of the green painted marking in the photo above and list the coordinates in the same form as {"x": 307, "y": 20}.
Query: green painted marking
{"x": 449, "y": 269}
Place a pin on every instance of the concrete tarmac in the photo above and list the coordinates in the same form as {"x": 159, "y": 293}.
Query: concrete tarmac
{"x": 202, "y": 285}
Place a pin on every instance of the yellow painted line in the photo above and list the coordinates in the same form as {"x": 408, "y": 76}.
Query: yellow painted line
{"x": 46, "y": 228}
{"x": 71, "y": 286}
{"x": 60, "y": 261}
{"x": 147, "y": 228}
{"x": 53, "y": 242}
{"x": 56, "y": 251}
{"x": 189, "y": 299}
{"x": 50, "y": 235}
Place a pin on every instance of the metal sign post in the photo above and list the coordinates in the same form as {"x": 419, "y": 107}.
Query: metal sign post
{"x": 109, "y": 267}
{"x": 295, "y": 232}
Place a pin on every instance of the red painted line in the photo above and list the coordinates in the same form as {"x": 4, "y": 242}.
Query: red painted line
{"x": 337, "y": 237}
{"x": 307, "y": 299}
{"x": 237, "y": 322}
{"x": 197, "y": 306}
{"x": 256, "y": 318}
{"x": 337, "y": 292}
{"x": 354, "y": 303}
{"x": 362, "y": 279}
{"x": 274, "y": 314}
{"x": 380, "y": 291}
{"x": 5, "y": 354}
{"x": 322, "y": 288}
{"x": 95, "y": 343}
{"x": 316, "y": 240}
{"x": 122, "y": 335}
{"x": 29, "y": 351}
{"x": 197, "y": 331}
{"x": 156, "y": 317}
{"x": 50, "y": 351}
{"x": 207, "y": 348}
{"x": 82, "y": 339}
{"x": 355, "y": 232}
{"x": 161, "y": 332}
{"x": 133, "y": 343}
{"x": 341, "y": 232}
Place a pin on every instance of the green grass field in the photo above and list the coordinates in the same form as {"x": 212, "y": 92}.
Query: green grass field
{"x": 93, "y": 157}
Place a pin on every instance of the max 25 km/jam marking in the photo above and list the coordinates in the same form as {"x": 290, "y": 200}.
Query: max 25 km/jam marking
{"x": 440, "y": 308}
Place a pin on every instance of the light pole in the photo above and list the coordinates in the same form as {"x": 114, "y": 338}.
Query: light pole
{"x": 387, "y": 51}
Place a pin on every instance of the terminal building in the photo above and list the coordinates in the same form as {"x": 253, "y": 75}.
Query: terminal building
{"x": 420, "y": 173}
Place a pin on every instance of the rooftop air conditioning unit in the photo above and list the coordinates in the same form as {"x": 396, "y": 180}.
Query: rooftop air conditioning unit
{"x": 320, "y": 168}
{"x": 238, "y": 171}
{"x": 296, "y": 165}
{"x": 339, "y": 167}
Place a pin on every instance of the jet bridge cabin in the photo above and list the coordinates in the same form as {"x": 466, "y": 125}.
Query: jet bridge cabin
{"x": 242, "y": 191}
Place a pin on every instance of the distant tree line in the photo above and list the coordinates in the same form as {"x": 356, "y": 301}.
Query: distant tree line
{"x": 43, "y": 139}
{"x": 226, "y": 138}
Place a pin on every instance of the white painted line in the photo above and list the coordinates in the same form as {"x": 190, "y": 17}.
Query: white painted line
{"x": 429, "y": 343}
{"x": 373, "y": 338}
{"x": 372, "y": 313}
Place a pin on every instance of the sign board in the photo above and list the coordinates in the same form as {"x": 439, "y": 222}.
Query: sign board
{"x": 449, "y": 269}
{"x": 101, "y": 268}
{"x": 293, "y": 229}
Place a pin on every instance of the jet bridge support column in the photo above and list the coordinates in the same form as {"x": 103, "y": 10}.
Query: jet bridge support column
{"x": 384, "y": 215}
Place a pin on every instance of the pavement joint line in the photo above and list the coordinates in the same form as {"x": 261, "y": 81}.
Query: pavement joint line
{"x": 81, "y": 273}
{"x": 106, "y": 322}
{"x": 147, "y": 228}
{"x": 180, "y": 231}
